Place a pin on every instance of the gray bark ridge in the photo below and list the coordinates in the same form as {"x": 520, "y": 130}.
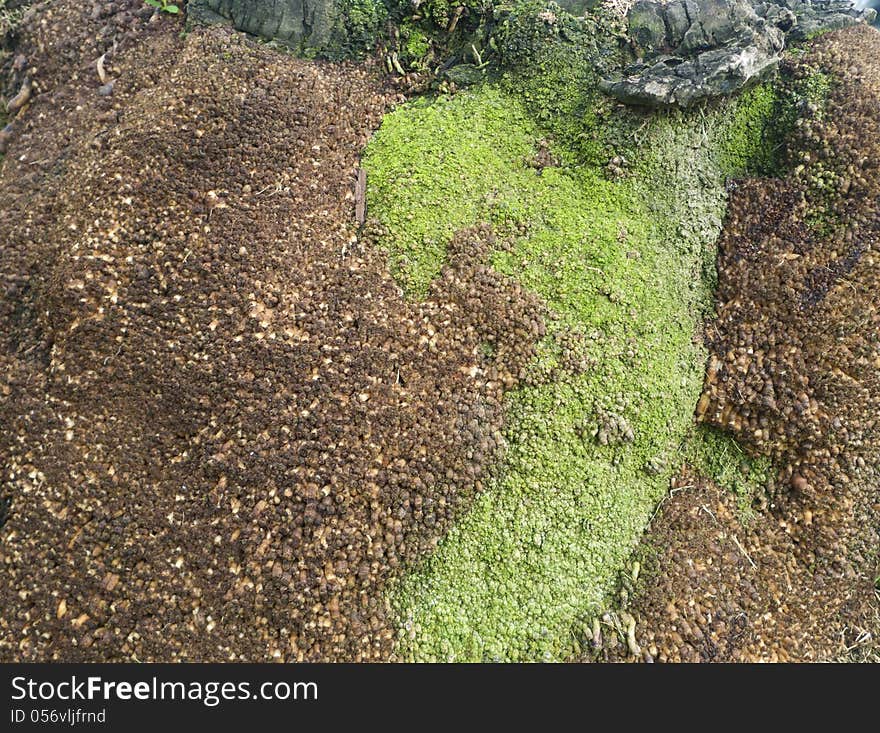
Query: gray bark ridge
{"x": 692, "y": 50}
{"x": 300, "y": 24}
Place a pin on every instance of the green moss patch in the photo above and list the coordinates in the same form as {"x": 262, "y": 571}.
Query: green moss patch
{"x": 549, "y": 60}
{"x": 611, "y": 217}
{"x": 717, "y": 455}
{"x": 626, "y": 267}
{"x": 751, "y": 143}
{"x": 437, "y": 166}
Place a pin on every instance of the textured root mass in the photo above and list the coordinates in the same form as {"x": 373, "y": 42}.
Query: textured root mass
{"x": 223, "y": 428}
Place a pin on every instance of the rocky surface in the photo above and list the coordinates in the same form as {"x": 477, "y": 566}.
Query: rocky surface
{"x": 815, "y": 16}
{"x": 328, "y": 28}
{"x": 297, "y": 23}
{"x": 692, "y": 50}
{"x": 869, "y": 5}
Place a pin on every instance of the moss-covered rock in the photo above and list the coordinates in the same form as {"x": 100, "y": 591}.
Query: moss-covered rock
{"x": 693, "y": 50}
{"x": 551, "y": 61}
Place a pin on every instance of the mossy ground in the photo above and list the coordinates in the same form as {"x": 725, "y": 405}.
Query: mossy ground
{"x": 751, "y": 141}
{"x": 624, "y": 256}
{"x": 627, "y": 267}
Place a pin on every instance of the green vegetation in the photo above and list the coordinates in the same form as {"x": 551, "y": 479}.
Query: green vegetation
{"x": 627, "y": 266}
{"x": 812, "y": 89}
{"x": 164, "y": 6}
{"x": 356, "y": 28}
{"x": 764, "y": 120}
{"x": 610, "y": 215}
{"x": 412, "y": 36}
{"x": 415, "y": 45}
{"x": 441, "y": 13}
{"x": 528, "y": 39}
{"x": 797, "y": 95}
{"x": 824, "y": 178}
{"x": 718, "y": 456}
{"x": 428, "y": 35}
{"x": 751, "y": 141}
{"x": 548, "y": 59}
{"x": 453, "y": 183}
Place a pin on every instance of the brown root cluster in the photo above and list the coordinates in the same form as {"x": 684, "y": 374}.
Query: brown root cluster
{"x": 223, "y": 427}
{"x": 717, "y": 588}
{"x": 795, "y": 369}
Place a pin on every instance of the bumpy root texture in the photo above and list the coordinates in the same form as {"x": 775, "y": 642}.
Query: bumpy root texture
{"x": 224, "y": 428}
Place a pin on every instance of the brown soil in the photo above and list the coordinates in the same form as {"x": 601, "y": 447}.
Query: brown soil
{"x": 795, "y": 374}
{"x": 715, "y": 588}
{"x": 224, "y": 429}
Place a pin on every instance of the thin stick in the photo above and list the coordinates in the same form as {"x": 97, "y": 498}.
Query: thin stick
{"x": 360, "y": 197}
{"x": 745, "y": 554}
